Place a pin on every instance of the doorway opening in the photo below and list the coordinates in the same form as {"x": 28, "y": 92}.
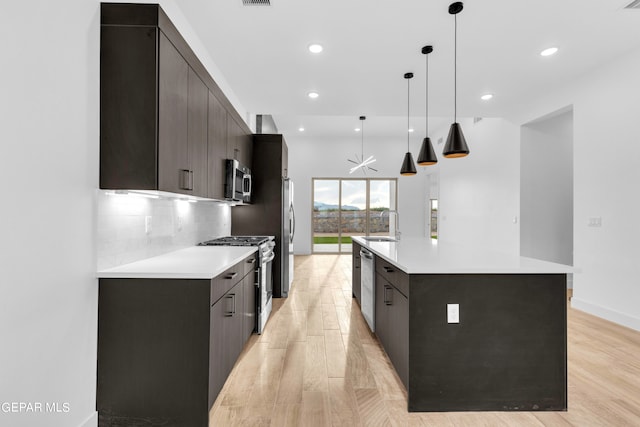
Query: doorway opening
{"x": 433, "y": 215}
{"x": 546, "y": 188}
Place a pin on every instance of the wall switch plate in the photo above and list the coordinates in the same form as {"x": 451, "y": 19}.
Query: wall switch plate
{"x": 453, "y": 313}
{"x": 180, "y": 221}
{"x": 147, "y": 224}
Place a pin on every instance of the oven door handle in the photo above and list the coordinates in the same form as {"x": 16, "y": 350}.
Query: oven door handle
{"x": 269, "y": 258}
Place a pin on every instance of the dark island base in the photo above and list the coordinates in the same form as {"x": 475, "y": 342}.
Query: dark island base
{"x": 508, "y": 353}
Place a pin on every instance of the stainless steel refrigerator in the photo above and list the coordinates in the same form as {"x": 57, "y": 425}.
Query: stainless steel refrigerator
{"x": 271, "y": 211}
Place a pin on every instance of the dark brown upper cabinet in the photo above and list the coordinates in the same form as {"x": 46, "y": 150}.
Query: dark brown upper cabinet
{"x": 217, "y": 150}
{"x": 164, "y": 123}
{"x": 197, "y": 124}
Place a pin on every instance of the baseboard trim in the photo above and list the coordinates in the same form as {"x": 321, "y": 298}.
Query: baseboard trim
{"x": 605, "y": 313}
{"x": 91, "y": 421}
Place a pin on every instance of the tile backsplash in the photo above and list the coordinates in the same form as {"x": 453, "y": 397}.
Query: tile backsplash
{"x": 126, "y": 234}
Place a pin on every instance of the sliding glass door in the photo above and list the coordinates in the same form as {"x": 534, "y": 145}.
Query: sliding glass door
{"x": 344, "y": 207}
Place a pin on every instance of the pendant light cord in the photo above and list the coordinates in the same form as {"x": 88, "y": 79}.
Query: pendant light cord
{"x": 408, "y": 115}
{"x": 426, "y": 115}
{"x": 362, "y": 139}
{"x": 455, "y": 68}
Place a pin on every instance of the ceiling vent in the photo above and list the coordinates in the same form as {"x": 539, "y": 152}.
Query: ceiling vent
{"x": 256, "y": 2}
{"x": 635, "y": 4}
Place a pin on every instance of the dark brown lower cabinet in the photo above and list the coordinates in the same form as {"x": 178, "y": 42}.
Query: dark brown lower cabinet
{"x": 392, "y": 325}
{"x": 226, "y": 337}
{"x": 166, "y": 346}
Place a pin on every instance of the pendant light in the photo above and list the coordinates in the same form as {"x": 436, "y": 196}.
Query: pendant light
{"x": 427, "y": 156}
{"x": 456, "y": 145}
{"x": 360, "y": 162}
{"x": 408, "y": 167}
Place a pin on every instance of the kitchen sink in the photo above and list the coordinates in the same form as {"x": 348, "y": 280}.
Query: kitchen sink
{"x": 379, "y": 239}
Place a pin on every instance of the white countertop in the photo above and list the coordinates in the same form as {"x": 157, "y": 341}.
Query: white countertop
{"x": 197, "y": 262}
{"x": 415, "y": 255}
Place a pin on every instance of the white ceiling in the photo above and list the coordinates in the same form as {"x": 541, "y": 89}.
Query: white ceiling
{"x": 369, "y": 45}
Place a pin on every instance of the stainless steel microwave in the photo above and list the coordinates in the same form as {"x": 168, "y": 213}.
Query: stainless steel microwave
{"x": 237, "y": 185}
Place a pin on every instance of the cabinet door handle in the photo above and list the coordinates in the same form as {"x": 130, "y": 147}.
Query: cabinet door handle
{"x": 388, "y": 300}
{"x": 186, "y": 179}
{"x": 232, "y": 275}
{"x": 230, "y": 313}
{"x": 387, "y": 269}
{"x": 251, "y": 261}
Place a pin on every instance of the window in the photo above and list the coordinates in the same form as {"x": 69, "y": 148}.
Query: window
{"x": 344, "y": 207}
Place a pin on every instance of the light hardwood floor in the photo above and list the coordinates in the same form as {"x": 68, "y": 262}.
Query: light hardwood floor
{"x": 317, "y": 364}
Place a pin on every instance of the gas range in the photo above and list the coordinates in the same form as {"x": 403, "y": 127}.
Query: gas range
{"x": 238, "y": 241}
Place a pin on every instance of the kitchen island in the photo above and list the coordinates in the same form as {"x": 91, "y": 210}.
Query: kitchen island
{"x": 471, "y": 330}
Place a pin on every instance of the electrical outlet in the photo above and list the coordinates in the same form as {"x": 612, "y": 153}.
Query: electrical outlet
{"x": 147, "y": 224}
{"x": 595, "y": 222}
{"x": 453, "y": 313}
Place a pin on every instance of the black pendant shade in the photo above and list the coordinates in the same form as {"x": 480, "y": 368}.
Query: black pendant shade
{"x": 408, "y": 167}
{"x": 427, "y": 156}
{"x": 456, "y": 145}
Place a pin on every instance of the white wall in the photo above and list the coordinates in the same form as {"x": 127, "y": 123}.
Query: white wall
{"x": 479, "y": 194}
{"x": 49, "y": 149}
{"x": 546, "y": 189}
{"x": 607, "y": 132}
{"x": 48, "y": 174}
{"x": 326, "y": 158}
{"x": 606, "y": 174}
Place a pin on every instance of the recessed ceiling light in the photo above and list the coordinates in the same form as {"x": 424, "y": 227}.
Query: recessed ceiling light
{"x": 486, "y": 96}
{"x": 313, "y": 95}
{"x": 411, "y": 130}
{"x": 300, "y": 129}
{"x": 357, "y": 129}
{"x": 548, "y": 52}
{"x": 315, "y": 48}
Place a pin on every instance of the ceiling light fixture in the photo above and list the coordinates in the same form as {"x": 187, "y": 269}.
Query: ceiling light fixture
{"x": 361, "y": 162}
{"x": 315, "y": 48}
{"x": 456, "y": 145}
{"x": 548, "y": 52}
{"x": 486, "y": 96}
{"x": 408, "y": 167}
{"x": 313, "y": 95}
{"x": 427, "y": 156}
{"x": 300, "y": 129}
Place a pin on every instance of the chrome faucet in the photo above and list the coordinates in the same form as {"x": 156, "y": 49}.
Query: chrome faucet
{"x": 394, "y": 217}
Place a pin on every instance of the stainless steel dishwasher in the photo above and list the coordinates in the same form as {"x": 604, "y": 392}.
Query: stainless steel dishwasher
{"x": 368, "y": 288}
